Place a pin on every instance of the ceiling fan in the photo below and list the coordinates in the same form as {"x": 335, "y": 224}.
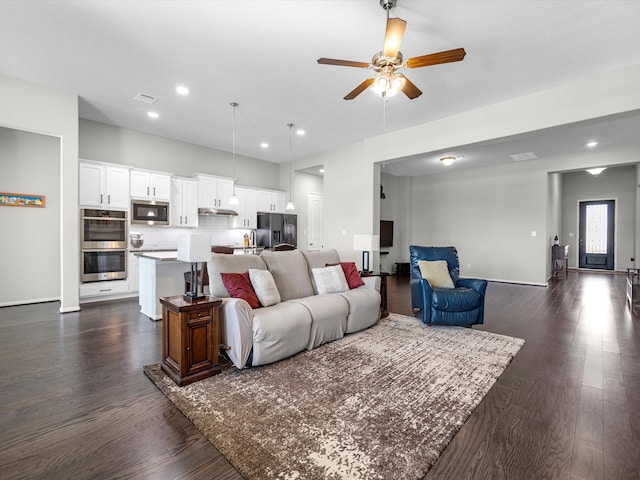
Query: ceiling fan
{"x": 386, "y": 63}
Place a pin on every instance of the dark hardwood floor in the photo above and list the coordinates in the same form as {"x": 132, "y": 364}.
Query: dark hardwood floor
{"x": 74, "y": 402}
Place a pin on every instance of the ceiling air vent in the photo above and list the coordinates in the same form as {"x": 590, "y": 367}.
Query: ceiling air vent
{"x": 145, "y": 97}
{"x": 519, "y": 157}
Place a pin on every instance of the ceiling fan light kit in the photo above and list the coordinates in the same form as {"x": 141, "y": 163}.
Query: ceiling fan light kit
{"x": 386, "y": 63}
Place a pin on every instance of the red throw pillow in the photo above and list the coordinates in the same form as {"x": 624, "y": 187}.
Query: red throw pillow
{"x": 351, "y": 274}
{"x": 239, "y": 286}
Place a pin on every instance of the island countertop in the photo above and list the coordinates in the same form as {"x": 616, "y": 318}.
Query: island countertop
{"x": 162, "y": 256}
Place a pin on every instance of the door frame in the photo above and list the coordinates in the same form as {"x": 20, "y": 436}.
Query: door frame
{"x": 310, "y": 219}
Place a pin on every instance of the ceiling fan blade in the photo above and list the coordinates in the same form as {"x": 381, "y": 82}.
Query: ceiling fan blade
{"x": 436, "y": 58}
{"x": 409, "y": 88}
{"x": 342, "y": 63}
{"x": 359, "y": 89}
{"x": 393, "y": 37}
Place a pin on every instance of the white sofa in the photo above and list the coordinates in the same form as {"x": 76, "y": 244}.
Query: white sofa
{"x": 302, "y": 320}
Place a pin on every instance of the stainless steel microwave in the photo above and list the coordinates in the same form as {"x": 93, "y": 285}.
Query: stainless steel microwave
{"x": 149, "y": 212}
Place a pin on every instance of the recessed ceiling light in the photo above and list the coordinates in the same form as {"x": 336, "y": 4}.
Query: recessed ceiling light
{"x": 182, "y": 90}
{"x": 153, "y": 114}
{"x": 592, "y": 144}
{"x": 264, "y": 145}
{"x": 300, "y": 132}
{"x": 596, "y": 171}
{"x": 321, "y": 170}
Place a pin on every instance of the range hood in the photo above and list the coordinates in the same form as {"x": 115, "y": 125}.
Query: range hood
{"x": 220, "y": 212}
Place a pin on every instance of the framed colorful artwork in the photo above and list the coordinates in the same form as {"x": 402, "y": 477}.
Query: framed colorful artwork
{"x": 21, "y": 200}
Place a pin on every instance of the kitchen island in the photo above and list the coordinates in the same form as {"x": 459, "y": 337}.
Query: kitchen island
{"x": 161, "y": 275}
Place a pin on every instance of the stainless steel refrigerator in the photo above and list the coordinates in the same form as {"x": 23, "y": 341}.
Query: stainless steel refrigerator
{"x": 276, "y": 228}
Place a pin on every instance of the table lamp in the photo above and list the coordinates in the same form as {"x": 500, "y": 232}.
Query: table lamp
{"x": 366, "y": 243}
{"x": 194, "y": 248}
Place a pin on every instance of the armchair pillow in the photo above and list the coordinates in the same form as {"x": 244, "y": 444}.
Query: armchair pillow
{"x": 264, "y": 286}
{"x": 436, "y": 272}
{"x": 239, "y": 286}
{"x": 330, "y": 279}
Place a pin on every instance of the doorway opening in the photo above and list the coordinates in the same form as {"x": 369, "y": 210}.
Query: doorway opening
{"x": 596, "y": 227}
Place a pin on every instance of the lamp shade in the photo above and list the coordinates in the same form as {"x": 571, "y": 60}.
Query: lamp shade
{"x": 366, "y": 243}
{"x": 194, "y": 247}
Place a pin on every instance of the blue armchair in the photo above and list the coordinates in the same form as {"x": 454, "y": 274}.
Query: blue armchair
{"x": 461, "y": 305}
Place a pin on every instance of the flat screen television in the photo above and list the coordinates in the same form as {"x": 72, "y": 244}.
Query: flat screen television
{"x": 386, "y": 233}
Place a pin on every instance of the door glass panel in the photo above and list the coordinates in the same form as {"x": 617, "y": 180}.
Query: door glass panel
{"x": 596, "y": 229}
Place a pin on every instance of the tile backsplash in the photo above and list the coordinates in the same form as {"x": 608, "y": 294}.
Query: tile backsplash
{"x": 166, "y": 238}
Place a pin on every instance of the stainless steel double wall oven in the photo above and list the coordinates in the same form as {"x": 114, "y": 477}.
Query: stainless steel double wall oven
{"x": 103, "y": 244}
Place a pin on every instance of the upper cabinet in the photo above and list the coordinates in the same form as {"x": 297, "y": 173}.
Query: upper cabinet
{"x": 150, "y": 185}
{"x": 247, "y": 208}
{"x": 214, "y": 192}
{"x": 271, "y": 201}
{"x": 184, "y": 203}
{"x": 103, "y": 186}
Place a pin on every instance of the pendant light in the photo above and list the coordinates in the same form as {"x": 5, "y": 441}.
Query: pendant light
{"x": 234, "y": 200}
{"x": 290, "y": 205}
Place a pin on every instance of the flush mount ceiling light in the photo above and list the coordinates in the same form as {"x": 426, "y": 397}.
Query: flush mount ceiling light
{"x": 234, "y": 200}
{"x": 386, "y": 64}
{"x": 290, "y": 205}
{"x": 447, "y": 161}
{"x": 596, "y": 171}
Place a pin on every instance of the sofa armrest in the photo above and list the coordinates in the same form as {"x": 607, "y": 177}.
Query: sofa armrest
{"x": 420, "y": 298}
{"x": 371, "y": 282}
{"x": 476, "y": 284}
{"x": 236, "y": 320}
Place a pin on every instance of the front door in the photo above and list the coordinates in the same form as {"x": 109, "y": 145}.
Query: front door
{"x": 596, "y": 232}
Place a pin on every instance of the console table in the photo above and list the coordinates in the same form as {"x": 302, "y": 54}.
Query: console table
{"x": 190, "y": 338}
{"x": 560, "y": 259}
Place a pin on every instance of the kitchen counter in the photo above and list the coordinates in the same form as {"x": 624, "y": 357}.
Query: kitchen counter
{"x": 159, "y": 255}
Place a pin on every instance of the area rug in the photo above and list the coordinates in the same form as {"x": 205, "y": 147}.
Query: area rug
{"x": 378, "y": 404}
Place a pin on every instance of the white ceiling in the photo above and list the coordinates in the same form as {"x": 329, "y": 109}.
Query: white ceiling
{"x": 262, "y": 54}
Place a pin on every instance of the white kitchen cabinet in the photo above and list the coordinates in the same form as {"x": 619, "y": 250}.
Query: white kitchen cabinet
{"x": 150, "y": 185}
{"x": 271, "y": 201}
{"x": 103, "y": 186}
{"x": 100, "y": 289}
{"x": 247, "y": 208}
{"x": 184, "y": 203}
{"x": 214, "y": 192}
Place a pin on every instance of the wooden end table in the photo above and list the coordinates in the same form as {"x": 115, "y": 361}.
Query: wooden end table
{"x": 190, "y": 338}
{"x": 383, "y": 290}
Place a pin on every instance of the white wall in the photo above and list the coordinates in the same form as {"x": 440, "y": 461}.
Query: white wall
{"x": 106, "y": 143}
{"x": 397, "y": 207}
{"x": 617, "y": 184}
{"x": 29, "y": 107}
{"x": 30, "y": 240}
{"x": 519, "y": 193}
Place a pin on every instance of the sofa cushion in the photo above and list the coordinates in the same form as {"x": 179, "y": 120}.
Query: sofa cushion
{"x": 459, "y": 299}
{"x": 330, "y": 279}
{"x": 239, "y": 286}
{"x": 436, "y": 272}
{"x": 289, "y": 270}
{"x": 364, "y": 308}
{"x": 221, "y": 262}
{"x": 328, "y": 317}
{"x": 279, "y": 331}
{"x": 264, "y": 286}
